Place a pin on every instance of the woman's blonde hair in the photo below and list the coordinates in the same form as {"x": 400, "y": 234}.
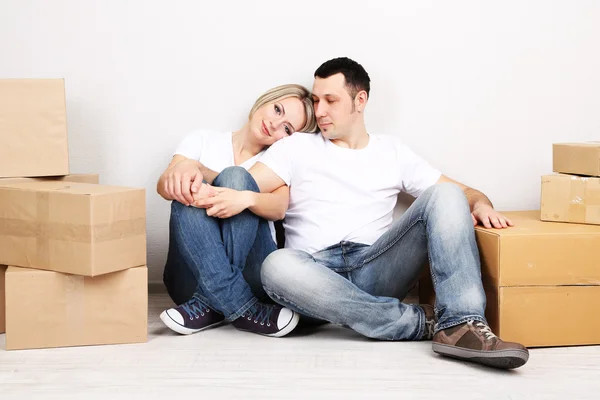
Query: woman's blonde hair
{"x": 284, "y": 91}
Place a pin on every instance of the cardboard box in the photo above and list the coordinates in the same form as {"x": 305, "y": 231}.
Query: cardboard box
{"x": 51, "y": 309}
{"x": 2, "y": 299}
{"x": 81, "y": 178}
{"x": 76, "y": 228}
{"x": 541, "y": 279}
{"x": 570, "y": 198}
{"x": 33, "y": 128}
{"x": 576, "y": 158}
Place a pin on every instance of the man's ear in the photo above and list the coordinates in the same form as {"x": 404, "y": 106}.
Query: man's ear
{"x": 360, "y": 101}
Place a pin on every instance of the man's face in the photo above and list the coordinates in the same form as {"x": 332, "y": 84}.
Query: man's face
{"x": 334, "y": 108}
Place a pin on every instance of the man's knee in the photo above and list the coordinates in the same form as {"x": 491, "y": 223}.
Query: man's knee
{"x": 271, "y": 265}
{"x": 236, "y": 178}
{"x": 278, "y": 267}
{"x": 447, "y": 197}
{"x": 446, "y": 190}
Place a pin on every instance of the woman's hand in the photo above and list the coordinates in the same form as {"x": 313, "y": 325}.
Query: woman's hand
{"x": 226, "y": 202}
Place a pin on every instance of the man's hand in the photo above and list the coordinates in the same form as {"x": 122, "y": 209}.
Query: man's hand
{"x": 226, "y": 202}
{"x": 489, "y": 217}
{"x": 182, "y": 180}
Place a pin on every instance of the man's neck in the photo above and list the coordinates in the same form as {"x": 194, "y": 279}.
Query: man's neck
{"x": 355, "y": 139}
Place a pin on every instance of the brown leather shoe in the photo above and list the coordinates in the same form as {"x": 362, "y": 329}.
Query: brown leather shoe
{"x": 474, "y": 341}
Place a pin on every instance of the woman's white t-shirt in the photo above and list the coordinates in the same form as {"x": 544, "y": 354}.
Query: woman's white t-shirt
{"x": 215, "y": 151}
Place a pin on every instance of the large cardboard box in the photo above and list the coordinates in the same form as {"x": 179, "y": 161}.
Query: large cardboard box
{"x": 51, "y": 309}
{"x": 81, "y": 178}
{"x": 33, "y": 128}
{"x": 576, "y": 158}
{"x": 570, "y": 198}
{"x": 76, "y": 228}
{"x": 2, "y": 297}
{"x": 542, "y": 281}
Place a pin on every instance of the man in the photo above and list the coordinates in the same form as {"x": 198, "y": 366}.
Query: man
{"x": 346, "y": 261}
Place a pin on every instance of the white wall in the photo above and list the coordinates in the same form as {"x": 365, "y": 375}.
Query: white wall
{"x": 480, "y": 89}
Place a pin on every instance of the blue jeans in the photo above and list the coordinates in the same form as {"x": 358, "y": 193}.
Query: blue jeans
{"x": 361, "y": 286}
{"x": 218, "y": 260}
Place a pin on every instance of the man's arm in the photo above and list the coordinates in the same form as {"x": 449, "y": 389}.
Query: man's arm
{"x": 269, "y": 203}
{"x": 266, "y": 179}
{"x": 482, "y": 209}
{"x": 182, "y": 178}
{"x": 271, "y": 206}
{"x": 229, "y": 202}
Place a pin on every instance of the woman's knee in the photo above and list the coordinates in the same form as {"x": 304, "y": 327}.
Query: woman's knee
{"x": 236, "y": 178}
{"x": 184, "y": 217}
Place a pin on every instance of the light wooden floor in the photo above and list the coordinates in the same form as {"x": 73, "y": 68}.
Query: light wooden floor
{"x": 329, "y": 362}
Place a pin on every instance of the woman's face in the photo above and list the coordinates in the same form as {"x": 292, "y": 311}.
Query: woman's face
{"x": 277, "y": 120}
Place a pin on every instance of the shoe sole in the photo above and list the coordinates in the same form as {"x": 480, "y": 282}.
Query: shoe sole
{"x": 288, "y": 328}
{"x": 503, "y": 359}
{"x": 175, "y": 326}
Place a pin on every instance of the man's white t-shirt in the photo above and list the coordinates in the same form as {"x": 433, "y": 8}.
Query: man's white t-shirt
{"x": 215, "y": 151}
{"x": 339, "y": 194}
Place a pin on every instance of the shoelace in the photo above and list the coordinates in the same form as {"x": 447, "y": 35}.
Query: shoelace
{"x": 429, "y": 328}
{"x": 195, "y": 308}
{"x": 483, "y": 328}
{"x": 259, "y": 313}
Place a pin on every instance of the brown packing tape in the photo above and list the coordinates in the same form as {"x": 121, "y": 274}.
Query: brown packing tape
{"x": 119, "y": 229}
{"x": 72, "y": 232}
{"x": 75, "y": 306}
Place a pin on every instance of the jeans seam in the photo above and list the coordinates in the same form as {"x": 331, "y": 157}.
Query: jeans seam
{"x": 271, "y": 293}
{"x": 393, "y": 242}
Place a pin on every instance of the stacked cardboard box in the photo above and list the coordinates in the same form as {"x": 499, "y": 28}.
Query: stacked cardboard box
{"x": 73, "y": 252}
{"x": 542, "y": 276}
{"x": 573, "y": 193}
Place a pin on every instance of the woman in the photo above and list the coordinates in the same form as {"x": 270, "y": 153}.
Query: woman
{"x": 219, "y": 233}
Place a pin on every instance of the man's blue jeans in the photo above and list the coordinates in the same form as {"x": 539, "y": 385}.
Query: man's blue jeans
{"x": 361, "y": 286}
{"x": 218, "y": 260}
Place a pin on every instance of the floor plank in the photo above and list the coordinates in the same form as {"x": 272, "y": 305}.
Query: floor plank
{"x": 327, "y": 362}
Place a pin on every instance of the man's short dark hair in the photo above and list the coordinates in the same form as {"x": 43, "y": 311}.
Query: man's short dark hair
{"x": 356, "y": 77}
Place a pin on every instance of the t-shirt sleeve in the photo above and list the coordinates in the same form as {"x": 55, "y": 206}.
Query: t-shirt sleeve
{"x": 417, "y": 174}
{"x": 191, "y": 146}
{"x": 278, "y": 160}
